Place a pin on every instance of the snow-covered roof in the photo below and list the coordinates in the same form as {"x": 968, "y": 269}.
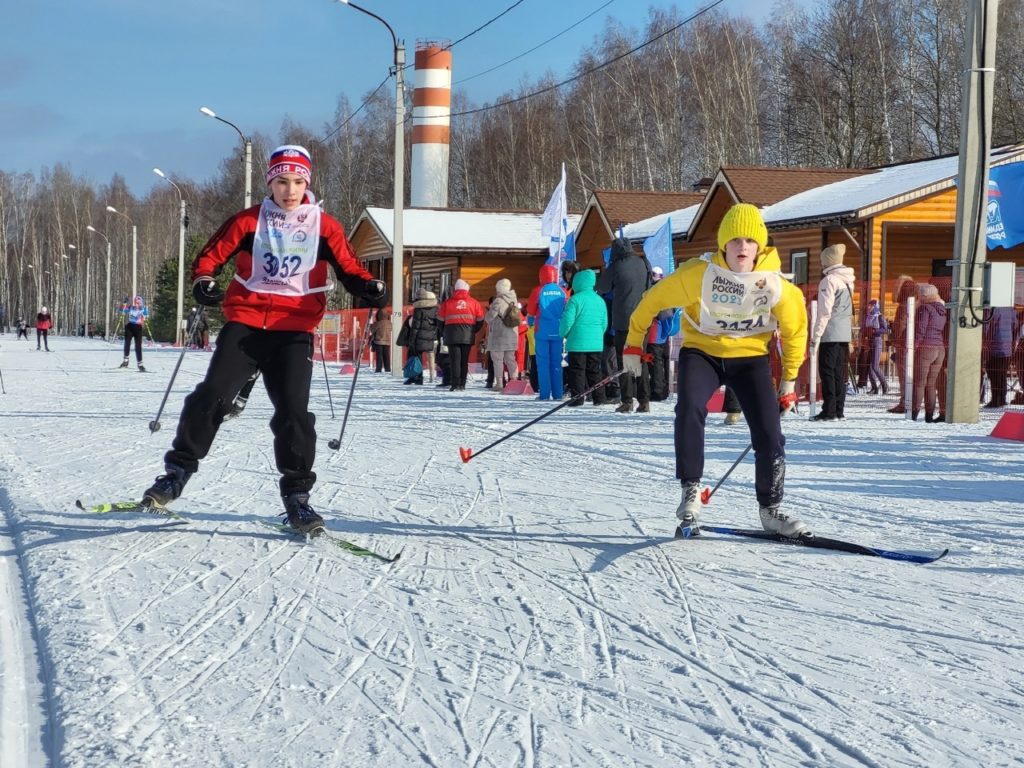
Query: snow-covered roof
{"x": 645, "y": 228}
{"x": 436, "y": 229}
{"x": 867, "y": 194}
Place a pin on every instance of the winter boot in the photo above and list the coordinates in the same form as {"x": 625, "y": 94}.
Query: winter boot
{"x": 167, "y": 487}
{"x": 124, "y": 363}
{"x": 732, "y": 418}
{"x": 774, "y": 521}
{"x": 643, "y": 407}
{"x": 689, "y": 508}
{"x": 300, "y": 515}
{"x": 626, "y": 406}
{"x": 142, "y": 368}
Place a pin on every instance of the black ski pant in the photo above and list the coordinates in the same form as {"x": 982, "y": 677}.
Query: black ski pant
{"x": 43, "y": 335}
{"x": 658, "y": 369}
{"x": 285, "y": 358}
{"x": 133, "y": 331}
{"x": 381, "y": 357}
{"x": 833, "y": 358}
{"x": 585, "y": 372}
{"x": 750, "y": 378}
{"x": 459, "y": 356}
{"x": 631, "y": 386}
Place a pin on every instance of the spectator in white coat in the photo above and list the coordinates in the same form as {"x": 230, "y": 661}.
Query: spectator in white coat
{"x": 503, "y": 317}
{"x": 833, "y": 331}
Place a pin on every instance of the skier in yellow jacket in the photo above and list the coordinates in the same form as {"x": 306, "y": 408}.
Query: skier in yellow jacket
{"x": 731, "y": 306}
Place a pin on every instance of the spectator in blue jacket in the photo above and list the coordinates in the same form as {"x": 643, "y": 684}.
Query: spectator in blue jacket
{"x": 1000, "y": 338}
{"x": 582, "y": 325}
{"x": 665, "y": 326}
{"x": 547, "y": 302}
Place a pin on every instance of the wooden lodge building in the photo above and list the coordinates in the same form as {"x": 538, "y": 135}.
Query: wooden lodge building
{"x": 894, "y": 220}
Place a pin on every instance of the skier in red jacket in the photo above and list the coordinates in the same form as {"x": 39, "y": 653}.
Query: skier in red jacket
{"x": 282, "y": 249}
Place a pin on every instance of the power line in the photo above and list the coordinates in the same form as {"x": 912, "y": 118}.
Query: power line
{"x": 349, "y": 119}
{"x": 468, "y": 35}
{"x": 611, "y": 61}
{"x": 540, "y": 45}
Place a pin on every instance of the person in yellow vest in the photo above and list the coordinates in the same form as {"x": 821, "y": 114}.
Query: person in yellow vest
{"x": 731, "y": 305}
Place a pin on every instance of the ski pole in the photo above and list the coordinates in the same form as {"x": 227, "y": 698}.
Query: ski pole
{"x": 336, "y": 444}
{"x": 467, "y": 453}
{"x": 154, "y": 425}
{"x": 707, "y": 493}
{"x": 327, "y": 381}
{"x": 2, "y": 383}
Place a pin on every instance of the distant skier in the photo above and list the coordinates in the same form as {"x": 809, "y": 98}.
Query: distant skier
{"x": 135, "y": 315}
{"x": 272, "y": 305}
{"x": 43, "y": 324}
{"x": 22, "y": 329}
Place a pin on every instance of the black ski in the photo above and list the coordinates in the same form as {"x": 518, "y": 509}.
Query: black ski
{"x": 323, "y": 533}
{"x": 819, "y": 542}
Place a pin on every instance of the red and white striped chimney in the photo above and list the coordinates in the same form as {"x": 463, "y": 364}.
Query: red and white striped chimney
{"x": 431, "y": 110}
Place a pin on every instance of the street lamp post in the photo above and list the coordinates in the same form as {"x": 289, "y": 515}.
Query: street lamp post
{"x": 181, "y": 256}
{"x": 106, "y": 314}
{"x": 248, "y": 152}
{"x": 397, "y": 244}
{"x": 135, "y": 248}
{"x": 73, "y": 247}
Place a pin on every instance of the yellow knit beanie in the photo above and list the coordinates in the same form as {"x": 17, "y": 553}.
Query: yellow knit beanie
{"x": 742, "y": 220}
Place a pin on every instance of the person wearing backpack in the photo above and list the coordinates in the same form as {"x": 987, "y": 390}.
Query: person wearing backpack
{"x": 503, "y": 318}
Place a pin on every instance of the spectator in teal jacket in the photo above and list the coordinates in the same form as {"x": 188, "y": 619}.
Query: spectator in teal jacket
{"x": 583, "y": 324}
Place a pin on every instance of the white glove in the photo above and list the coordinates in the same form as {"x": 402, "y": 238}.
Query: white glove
{"x": 787, "y": 396}
{"x": 632, "y": 361}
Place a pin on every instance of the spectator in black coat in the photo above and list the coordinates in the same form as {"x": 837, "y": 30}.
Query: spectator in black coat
{"x": 627, "y": 277}
{"x": 422, "y": 338}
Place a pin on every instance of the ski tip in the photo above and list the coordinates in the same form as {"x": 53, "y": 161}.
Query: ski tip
{"x": 80, "y": 505}
{"x": 466, "y": 454}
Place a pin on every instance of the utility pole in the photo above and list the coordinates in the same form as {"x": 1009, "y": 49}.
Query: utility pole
{"x": 970, "y": 252}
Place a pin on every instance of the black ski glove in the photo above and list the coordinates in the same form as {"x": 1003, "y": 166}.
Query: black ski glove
{"x": 206, "y": 292}
{"x": 375, "y": 293}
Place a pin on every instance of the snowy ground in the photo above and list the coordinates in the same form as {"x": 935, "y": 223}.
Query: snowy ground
{"x": 540, "y": 614}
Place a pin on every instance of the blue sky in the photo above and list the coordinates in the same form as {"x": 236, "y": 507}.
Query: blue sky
{"x": 115, "y": 86}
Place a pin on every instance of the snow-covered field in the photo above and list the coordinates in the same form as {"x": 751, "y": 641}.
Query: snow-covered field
{"x": 540, "y": 614}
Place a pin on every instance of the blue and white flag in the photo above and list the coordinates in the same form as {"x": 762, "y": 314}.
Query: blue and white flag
{"x": 1006, "y": 206}
{"x": 658, "y": 249}
{"x": 554, "y": 224}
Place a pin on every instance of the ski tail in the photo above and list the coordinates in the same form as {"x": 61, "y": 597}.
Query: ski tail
{"x": 111, "y": 507}
{"x": 822, "y": 542}
{"x": 348, "y": 546}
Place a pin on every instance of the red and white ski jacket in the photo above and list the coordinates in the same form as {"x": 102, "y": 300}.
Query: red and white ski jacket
{"x": 234, "y": 240}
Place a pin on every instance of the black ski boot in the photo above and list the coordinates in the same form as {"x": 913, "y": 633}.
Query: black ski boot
{"x": 167, "y": 487}
{"x": 124, "y": 364}
{"x": 300, "y": 515}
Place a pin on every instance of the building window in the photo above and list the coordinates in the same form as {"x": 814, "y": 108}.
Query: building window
{"x": 798, "y": 266}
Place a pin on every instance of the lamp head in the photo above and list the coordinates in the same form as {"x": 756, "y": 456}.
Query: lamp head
{"x": 91, "y": 228}
{"x": 112, "y": 209}
{"x": 207, "y": 111}
{"x": 159, "y": 173}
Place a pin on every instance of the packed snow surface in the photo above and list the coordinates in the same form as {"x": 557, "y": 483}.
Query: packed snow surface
{"x": 541, "y": 613}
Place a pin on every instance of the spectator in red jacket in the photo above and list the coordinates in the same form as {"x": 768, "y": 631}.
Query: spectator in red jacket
{"x": 282, "y": 249}
{"x": 460, "y": 317}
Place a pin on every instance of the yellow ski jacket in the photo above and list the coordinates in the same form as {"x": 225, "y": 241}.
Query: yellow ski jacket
{"x": 683, "y": 289}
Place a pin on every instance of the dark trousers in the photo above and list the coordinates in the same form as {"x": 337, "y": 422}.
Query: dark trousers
{"x": 43, "y": 335}
{"x": 833, "y": 357}
{"x": 534, "y": 380}
{"x": 133, "y": 331}
{"x": 995, "y": 367}
{"x": 731, "y": 403}
{"x": 750, "y": 378}
{"x": 631, "y": 386}
{"x": 382, "y": 357}
{"x": 608, "y": 367}
{"x": 658, "y": 370}
{"x": 549, "y": 368}
{"x": 286, "y": 360}
{"x": 584, "y": 372}
{"x": 459, "y": 356}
